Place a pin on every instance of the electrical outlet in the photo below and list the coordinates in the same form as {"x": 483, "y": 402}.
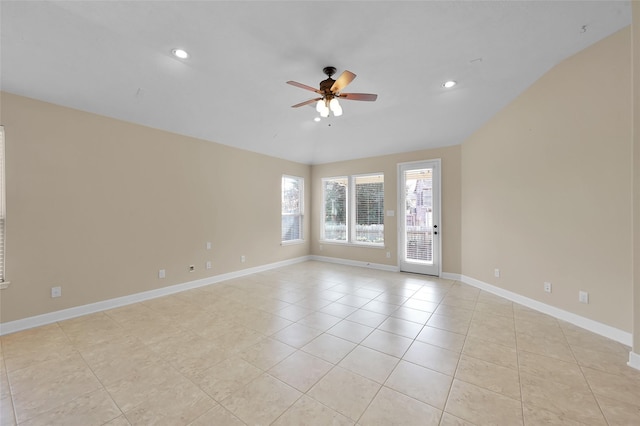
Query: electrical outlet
{"x": 208, "y": 266}
{"x": 192, "y": 268}
{"x": 56, "y": 291}
{"x": 243, "y": 258}
{"x": 547, "y": 287}
{"x": 496, "y": 273}
{"x": 388, "y": 255}
{"x": 161, "y": 273}
{"x": 583, "y": 297}
{"x": 208, "y": 245}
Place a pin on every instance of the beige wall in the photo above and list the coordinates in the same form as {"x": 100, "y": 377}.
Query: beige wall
{"x": 546, "y": 188}
{"x": 98, "y": 206}
{"x": 636, "y": 173}
{"x": 388, "y": 164}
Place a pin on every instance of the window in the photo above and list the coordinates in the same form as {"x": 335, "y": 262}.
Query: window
{"x": 369, "y": 208}
{"x": 292, "y": 208}
{"x": 335, "y": 208}
{"x": 2, "y": 204}
{"x": 353, "y": 209}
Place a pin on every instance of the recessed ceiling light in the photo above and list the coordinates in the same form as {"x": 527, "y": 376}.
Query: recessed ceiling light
{"x": 316, "y": 119}
{"x": 179, "y": 53}
{"x": 449, "y": 84}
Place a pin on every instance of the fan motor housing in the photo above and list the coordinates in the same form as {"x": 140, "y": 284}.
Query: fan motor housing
{"x": 325, "y": 86}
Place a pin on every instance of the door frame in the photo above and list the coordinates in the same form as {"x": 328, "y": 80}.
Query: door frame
{"x": 436, "y": 163}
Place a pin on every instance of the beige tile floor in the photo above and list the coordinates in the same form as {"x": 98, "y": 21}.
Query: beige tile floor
{"x": 318, "y": 344}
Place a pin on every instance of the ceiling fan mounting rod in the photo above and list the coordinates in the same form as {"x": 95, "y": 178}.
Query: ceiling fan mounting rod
{"x": 329, "y": 71}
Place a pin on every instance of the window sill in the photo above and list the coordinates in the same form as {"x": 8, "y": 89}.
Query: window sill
{"x": 291, "y": 243}
{"x": 349, "y": 244}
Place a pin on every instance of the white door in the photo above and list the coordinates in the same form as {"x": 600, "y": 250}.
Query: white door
{"x": 419, "y": 217}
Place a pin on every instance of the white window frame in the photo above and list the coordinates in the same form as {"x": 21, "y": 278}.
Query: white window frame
{"x": 350, "y": 214}
{"x": 3, "y": 216}
{"x": 322, "y": 215}
{"x": 299, "y": 213}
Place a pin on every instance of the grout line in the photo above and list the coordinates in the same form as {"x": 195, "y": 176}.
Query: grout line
{"x": 584, "y": 377}
{"x": 11, "y": 392}
{"x": 453, "y": 379}
{"x": 515, "y": 336}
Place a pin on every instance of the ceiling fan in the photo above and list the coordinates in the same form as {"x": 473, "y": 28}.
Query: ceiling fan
{"x": 330, "y": 90}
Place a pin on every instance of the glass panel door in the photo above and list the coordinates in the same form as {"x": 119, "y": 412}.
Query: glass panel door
{"x": 419, "y": 211}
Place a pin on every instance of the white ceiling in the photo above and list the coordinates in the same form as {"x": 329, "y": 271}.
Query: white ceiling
{"x": 113, "y": 58}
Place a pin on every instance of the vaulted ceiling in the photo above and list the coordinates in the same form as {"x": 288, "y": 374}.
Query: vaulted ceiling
{"x": 114, "y": 58}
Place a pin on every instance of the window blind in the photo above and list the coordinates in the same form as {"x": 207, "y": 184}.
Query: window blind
{"x": 369, "y": 209}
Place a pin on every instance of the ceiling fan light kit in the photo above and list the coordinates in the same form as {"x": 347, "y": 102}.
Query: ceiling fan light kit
{"x": 330, "y": 90}
{"x": 335, "y": 107}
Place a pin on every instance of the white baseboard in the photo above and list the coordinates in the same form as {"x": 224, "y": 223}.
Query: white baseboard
{"x": 634, "y": 360}
{"x": 52, "y": 317}
{"x": 451, "y": 276}
{"x": 580, "y": 321}
{"x": 349, "y": 262}
{"x": 76, "y": 311}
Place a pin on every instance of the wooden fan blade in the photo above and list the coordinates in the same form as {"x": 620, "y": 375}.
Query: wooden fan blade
{"x": 303, "y": 86}
{"x": 345, "y": 78}
{"x": 359, "y": 96}
{"x": 310, "y": 101}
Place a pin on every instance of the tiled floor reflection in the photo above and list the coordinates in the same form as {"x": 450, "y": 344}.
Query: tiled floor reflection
{"x": 317, "y": 344}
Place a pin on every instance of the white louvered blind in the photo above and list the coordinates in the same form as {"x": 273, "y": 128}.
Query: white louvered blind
{"x": 369, "y": 209}
{"x": 2, "y": 204}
